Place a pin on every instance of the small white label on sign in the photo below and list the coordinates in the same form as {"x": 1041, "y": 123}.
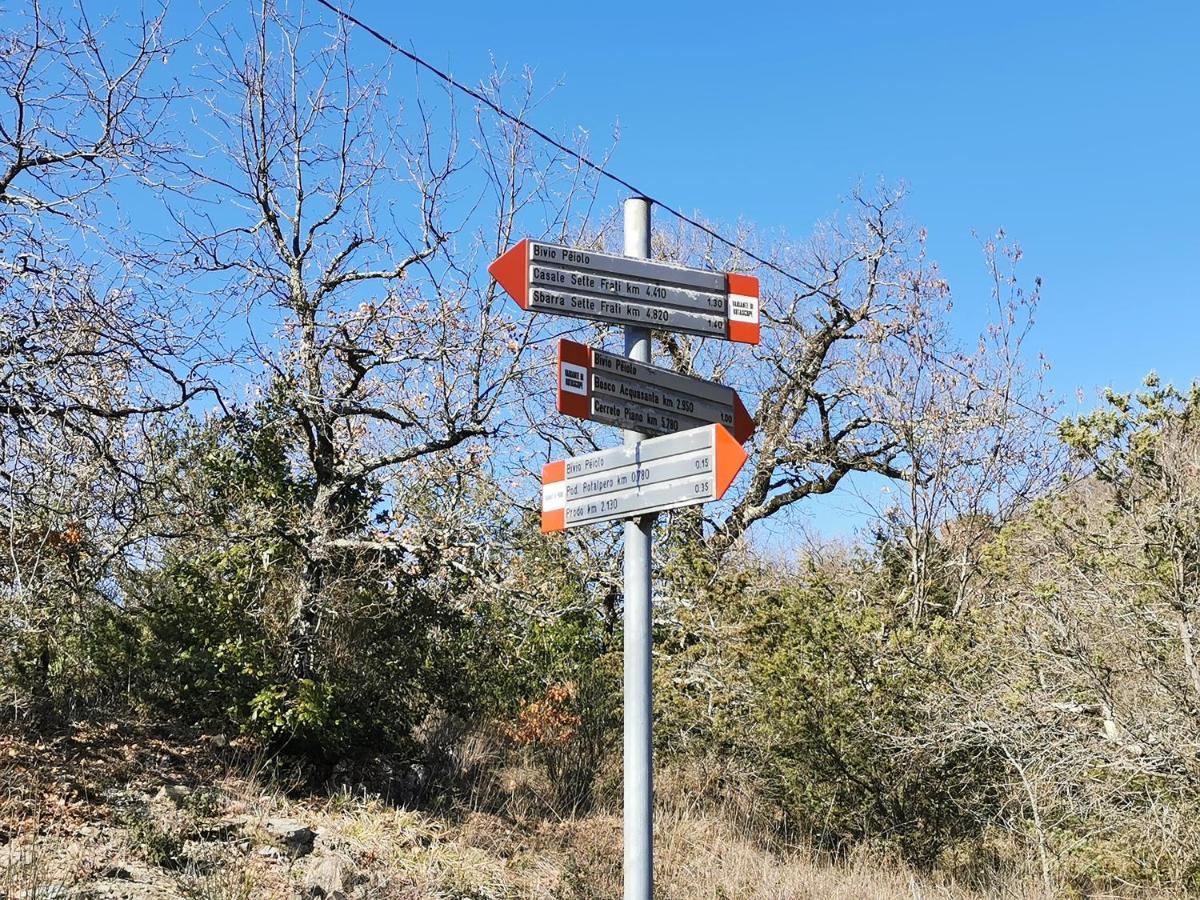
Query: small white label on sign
{"x": 554, "y": 496}
{"x": 574, "y": 379}
{"x": 743, "y": 308}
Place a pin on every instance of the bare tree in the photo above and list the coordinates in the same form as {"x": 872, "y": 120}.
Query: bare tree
{"x": 849, "y": 342}
{"x": 82, "y": 334}
{"x": 814, "y": 371}
{"x": 90, "y": 348}
{"x": 858, "y": 372}
{"x": 347, "y": 235}
{"x": 977, "y": 429}
{"x": 1086, "y": 680}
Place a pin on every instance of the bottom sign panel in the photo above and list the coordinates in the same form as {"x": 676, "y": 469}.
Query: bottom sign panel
{"x": 693, "y": 466}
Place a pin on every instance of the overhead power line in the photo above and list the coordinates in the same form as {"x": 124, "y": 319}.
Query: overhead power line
{"x": 617, "y": 179}
{"x": 554, "y": 142}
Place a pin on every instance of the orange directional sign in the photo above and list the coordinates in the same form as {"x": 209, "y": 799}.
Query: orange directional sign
{"x": 675, "y": 470}
{"x": 616, "y": 390}
{"x": 564, "y": 281}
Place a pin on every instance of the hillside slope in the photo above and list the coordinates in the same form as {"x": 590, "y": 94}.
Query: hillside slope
{"x": 125, "y": 813}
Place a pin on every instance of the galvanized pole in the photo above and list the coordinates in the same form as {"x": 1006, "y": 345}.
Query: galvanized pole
{"x": 639, "y": 787}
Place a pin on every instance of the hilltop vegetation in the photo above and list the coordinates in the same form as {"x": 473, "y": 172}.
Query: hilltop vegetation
{"x": 267, "y": 433}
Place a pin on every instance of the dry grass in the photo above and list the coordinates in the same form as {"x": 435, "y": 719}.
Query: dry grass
{"x": 500, "y": 841}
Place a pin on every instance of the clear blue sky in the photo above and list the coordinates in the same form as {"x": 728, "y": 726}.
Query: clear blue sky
{"x": 1074, "y": 126}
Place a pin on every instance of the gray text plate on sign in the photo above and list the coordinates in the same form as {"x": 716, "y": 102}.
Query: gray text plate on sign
{"x": 625, "y": 312}
{"x": 638, "y": 501}
{"x": 640, "y": 476}
{"x": 646, "y": 451}
{"x": 636, "y": 417}
{"x": 675, "y": 404}
{"x": 663, "y": 378}
{"x": 626, "y": 289}
{"x": 553, "y": 254}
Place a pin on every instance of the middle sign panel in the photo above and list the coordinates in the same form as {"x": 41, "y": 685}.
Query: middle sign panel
{"x": 615, "y": 390}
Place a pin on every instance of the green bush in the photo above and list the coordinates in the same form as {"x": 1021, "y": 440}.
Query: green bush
{"x": 216, "y": 616}
{"x": 841, "y": 679}
{"x": 817, "y": 683}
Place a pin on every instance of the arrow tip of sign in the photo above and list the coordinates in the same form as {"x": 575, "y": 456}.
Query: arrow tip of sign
{"x": 730, "y": 458}
{"x": 743, "y": 423}
{"x": 511, "y": 271}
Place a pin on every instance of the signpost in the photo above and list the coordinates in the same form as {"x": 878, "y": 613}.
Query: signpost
{"x": 566, "y": 281}
{"x": 701, "y": 427}
{"x": 615, "y": 390}
{"x": 681, "y": 469}
{"x": 638, "y": 637}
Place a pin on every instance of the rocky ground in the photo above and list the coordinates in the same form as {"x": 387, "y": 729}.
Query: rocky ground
{"x": 120, "y": 812}
{"x": 127, "y": 813}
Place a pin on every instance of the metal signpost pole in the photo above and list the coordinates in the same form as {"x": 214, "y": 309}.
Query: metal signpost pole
{"x": 639, "y": 804}
{"x": 693, "y": 460}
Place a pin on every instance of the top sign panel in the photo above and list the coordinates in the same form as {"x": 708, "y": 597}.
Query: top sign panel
{"x": 602, "y": 287}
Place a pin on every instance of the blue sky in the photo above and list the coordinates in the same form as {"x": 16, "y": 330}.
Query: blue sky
{"x": 1075, "y": 127}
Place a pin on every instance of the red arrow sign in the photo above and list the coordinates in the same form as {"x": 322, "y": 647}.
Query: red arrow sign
{"x": 602, "y": 287}
{"x": 681, "y": 469}
{"x": 615, "y": 390}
